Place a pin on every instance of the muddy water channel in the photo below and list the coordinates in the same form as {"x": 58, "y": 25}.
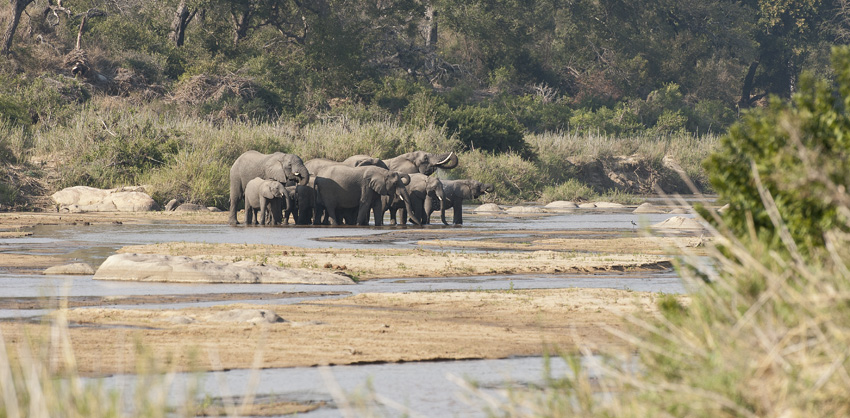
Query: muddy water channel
{"x": 420, "y": 386}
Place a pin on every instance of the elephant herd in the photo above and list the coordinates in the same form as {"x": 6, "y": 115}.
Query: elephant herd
{"x": 325, "y": 192}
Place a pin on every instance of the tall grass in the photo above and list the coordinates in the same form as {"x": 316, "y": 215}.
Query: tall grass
{"x": 110, "y": 143}
{"x": 765, "y": 332}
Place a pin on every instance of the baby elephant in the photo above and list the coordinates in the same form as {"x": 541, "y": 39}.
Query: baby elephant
{"x": 302, "y": 204}
{"x": 266, "y": 196}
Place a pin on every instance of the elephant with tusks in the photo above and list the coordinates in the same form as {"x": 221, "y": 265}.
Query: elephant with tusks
{"x": 341, "y": 188}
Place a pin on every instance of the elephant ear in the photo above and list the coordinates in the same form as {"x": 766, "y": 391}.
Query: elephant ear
{"x": 378, "y": 183}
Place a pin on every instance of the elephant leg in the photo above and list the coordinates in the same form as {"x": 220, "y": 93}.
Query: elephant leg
{"x": 458, "y": 213}
{"x": 378, "y": 213}
{"x": 403, "y": 216}
{"x": 277, "y": 212}
{"x": 363, "y": 210}
{"x": 235, "y": 196}
{"x": 424, "y": 216}
{"x": 264, "y": 203}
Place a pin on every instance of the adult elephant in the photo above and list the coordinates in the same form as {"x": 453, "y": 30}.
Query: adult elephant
{"x": 425, "y": 192}
{"x": 340, "y": 188}
{"x": 361, "y": 160}
{"x": 456, "y": 191}
{"x": 277, "y": 166}
{"x": 422, "y": 162}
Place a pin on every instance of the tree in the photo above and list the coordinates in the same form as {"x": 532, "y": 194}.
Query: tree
{"x": 18, "y": 7}
{"x": 791, "y": 154}
{"x": 182, "y": 18}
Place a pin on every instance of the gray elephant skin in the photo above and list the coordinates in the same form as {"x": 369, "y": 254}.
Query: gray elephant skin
{"x": 267, "y": 197}
{"x": 422, "y": 162}
{"x": 302, "y": 204}
{"x": 361, "y": 160}
{"x": 277, "y": 166}
{"x": 456, "y": 191}
{"x": 340, "y": 188}
{"x": 425, "y": 192}
{"x": 410, "y": 163}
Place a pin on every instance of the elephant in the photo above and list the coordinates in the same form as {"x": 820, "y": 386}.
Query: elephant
{"x": 422, "y": 162}
{"x": 424, "y": 192}
{"x": 456, "y": 191}
{"x": 277, "y": 166}
{"x": 340, "y": 187}
{"x": 302, "y": 204}
{"x": 360, "y": 160}
{"x": 267, "y": 197}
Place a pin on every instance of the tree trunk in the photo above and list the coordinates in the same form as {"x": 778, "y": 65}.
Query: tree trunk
{"x": 747, "y": 89}
{"x": 431, "y": 28}
{"x": 241, "y": 23}
{"x": 18, "y": 7}
{"x": 178, "y": 25}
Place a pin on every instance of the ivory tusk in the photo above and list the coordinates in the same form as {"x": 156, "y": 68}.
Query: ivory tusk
{"x": 447, "y": 158}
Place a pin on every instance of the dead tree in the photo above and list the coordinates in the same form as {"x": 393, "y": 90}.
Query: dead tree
{"x": 18, "y": 7}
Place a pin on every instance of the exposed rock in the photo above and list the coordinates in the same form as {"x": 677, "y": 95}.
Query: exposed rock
{"x": 191, "y": 207}
{"x": 90, "y": 199}
{"x": 609, "y": 205}
{"x": 172, "y": 204}
{"x": 560, "y": 205}
{"x": 81, "y": 269}
{"x": 648, "y": 208}
{"x": 679, "y": 211}
{"x": 678, "y": 222}
{"x": 488, "y": 207}
{"x": 587, "y": 205}
{"x": 164, "y": 268}
{"x": 214, "y": 209}
{"x": 252, "y": 316}
{"x": 524, "y": 209}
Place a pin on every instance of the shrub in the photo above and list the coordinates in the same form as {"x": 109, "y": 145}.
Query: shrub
{"x": 514, "y": 177}
{"x": 775, "y": 151}
{"x": 571, "y": 190}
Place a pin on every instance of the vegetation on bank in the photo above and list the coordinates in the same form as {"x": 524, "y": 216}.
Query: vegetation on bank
{"x": 767, "y": 328}
{"x": 87, "y": 84}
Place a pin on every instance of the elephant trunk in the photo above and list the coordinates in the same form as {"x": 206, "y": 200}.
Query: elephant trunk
{"x": 402, "y": 193}
{"x": 448, "y": 161}
{"x": 443, "y": 211}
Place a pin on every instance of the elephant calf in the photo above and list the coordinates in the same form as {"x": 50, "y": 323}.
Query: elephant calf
{"x": 302, "y": 204}
{"x": 266, "y": 196}
{"x": 456, "y": 191}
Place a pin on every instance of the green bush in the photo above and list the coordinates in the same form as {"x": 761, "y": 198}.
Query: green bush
{"x": 571, "y": 190}
{"x": 514, "y": 178}
{"x": 779, "y": 151}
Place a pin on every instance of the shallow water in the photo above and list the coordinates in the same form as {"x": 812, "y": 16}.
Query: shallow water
{"x": 423, "y": 387}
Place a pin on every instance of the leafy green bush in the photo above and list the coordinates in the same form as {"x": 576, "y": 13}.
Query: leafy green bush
{"x": 789, "y": 154}
{"x": 571, "y": 190}
{"x": 514, "y": 177}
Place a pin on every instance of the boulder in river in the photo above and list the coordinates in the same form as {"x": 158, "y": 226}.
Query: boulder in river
{"x": 648, "y": 208}
{"x": 678, "y": 222}
{"x": 165, "y": 268}
{"x": 81, "y": 269}
{"x": 489, "y": 208}
{"x": 524, "y": 209}
{"x": 560, "y": 205}
{"x": 91, "y": 199}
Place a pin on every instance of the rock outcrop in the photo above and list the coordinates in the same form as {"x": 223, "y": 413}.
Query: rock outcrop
{"x": 524, "y": 209}
{"x": 165, "y": 268}
{"x": 678, "y": 222}
{"x": 80, "y": 269}
{"x": 648, "y": 208}
{"x": 91, "y": 199}
{"x": 560, "y": 205}
{"x": 488, "y": 207}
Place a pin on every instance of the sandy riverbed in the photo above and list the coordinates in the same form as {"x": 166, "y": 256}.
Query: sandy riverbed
{"x": 368, "y": 328}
